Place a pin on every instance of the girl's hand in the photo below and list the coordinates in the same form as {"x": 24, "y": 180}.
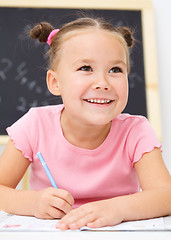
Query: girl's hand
{"x": 51, "y": 203}
{"x": 94, "y": 215}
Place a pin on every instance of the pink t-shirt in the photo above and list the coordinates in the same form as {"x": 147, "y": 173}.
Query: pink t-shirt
{"x": 89, "y": 175}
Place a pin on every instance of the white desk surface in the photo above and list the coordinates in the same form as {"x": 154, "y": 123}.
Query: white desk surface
{"x": 164, "y": 235}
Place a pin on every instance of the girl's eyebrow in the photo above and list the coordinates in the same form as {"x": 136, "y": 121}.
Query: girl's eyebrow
{"x": 119, "y": 62}
{"x": 90, "y": 61}
{"x": 83, "y": 61}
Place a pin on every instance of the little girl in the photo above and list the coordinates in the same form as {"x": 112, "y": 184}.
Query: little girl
{"x": 98, "y": 157}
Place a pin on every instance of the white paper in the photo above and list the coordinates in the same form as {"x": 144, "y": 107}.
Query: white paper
{"x": 141, "y": 225}
{"x": 25, "y": 223}
{"x": 10, "y": 222}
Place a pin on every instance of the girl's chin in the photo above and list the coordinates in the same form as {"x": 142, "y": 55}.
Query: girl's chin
{"x": 97, "y": 121}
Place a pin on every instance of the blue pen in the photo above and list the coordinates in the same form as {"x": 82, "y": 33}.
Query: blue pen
{"x": 46, "y": 169}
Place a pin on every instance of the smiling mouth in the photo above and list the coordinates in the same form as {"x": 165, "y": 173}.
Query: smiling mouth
{"x": 98, "y": 101}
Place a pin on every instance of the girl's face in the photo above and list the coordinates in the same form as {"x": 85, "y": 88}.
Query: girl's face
{"x": 91, "y": 77}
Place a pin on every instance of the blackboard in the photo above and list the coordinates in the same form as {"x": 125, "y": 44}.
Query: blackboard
{"x": 23, "y": 62}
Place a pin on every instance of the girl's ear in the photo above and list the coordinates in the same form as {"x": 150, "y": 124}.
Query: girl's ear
{"x": 52, "y": 82}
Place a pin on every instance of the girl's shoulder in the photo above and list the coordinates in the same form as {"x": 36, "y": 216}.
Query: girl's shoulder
{"x": 128, "y": 119}
{"x": 46, "y": 110}
{"x": 44, "y": 114}
{"x": 133, "y": 125}
{"x": 38, "y": 116}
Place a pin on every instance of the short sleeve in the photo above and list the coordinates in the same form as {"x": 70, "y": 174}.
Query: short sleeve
{"x": 142, "y": 139}
{"x": 22, "y": 133}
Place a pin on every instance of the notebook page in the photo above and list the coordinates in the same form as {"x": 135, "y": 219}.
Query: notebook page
{"x": 10, "y": 222}
{"x": 26, "y": 223}
{"x": 167, "y": 222}
{"x": 156, "y": 224}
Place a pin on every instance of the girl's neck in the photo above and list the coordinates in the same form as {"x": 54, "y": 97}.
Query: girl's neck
{"x": 84, "y": 136}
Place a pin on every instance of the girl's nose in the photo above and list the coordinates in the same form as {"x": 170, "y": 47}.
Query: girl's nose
{"x": 101, "y": 83}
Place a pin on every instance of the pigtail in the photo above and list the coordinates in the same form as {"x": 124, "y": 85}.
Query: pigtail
{"x": 127, "y": 34}
{"x": 41, "y": 31}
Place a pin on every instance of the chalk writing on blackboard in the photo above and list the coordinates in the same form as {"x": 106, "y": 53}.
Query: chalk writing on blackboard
{"x": 6, "y": 65}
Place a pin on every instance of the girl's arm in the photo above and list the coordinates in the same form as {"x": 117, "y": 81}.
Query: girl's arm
{"x": 155, "y": 182}
{"x": 48, "y": 203}
{"x": 153, "y": 201}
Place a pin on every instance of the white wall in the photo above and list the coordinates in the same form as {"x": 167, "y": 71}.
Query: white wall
{"x": 162, "y": 14}
{"x": 1, "y": 149}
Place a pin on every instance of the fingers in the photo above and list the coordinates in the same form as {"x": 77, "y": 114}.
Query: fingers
{"x": 52, "y": 203}
{"x": 96, "y": 223}
{"x": 54, "y": 213}
{"x": 73, "y": 223}
{"x": 94, "y": 215}
{"x": 76, "y": 218}
{"x": 60, "y": 204}
{"x": 51, "y": 213}
{"x": 64, "y": 195}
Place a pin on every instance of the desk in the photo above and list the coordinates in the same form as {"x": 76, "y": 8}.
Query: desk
{"x": 85, "y": 235}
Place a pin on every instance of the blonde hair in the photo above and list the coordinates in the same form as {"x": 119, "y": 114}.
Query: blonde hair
{"x": 42, "y": 30}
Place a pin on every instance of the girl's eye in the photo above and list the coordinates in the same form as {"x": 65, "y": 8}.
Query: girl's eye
{"x": 115, "y": 70}
{"x": 85, "y": 68}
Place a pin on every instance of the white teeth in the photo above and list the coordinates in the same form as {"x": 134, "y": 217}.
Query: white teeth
{"x": 99, "y": 100}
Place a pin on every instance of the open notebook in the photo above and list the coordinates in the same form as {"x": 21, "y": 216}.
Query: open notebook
{"x": 10, "y": 222}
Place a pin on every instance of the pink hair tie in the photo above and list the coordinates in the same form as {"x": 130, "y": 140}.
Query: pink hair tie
{"x": 51, "y": 35}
